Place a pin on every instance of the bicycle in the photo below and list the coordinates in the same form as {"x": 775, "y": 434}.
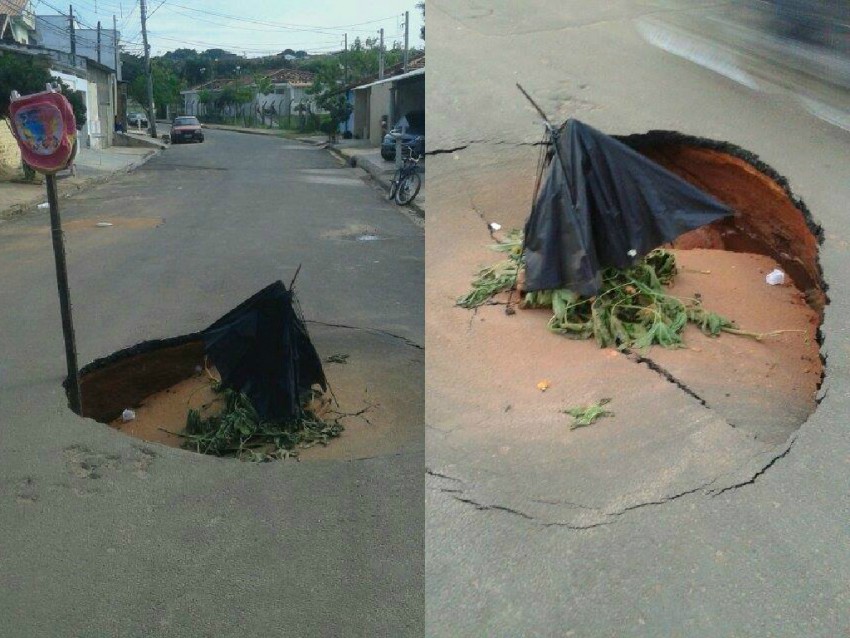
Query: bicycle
{"x": 406, "y": 182}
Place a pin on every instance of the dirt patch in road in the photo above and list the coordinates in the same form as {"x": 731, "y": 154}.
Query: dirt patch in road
{"x": 700, "y": 418}
{"x": 378, "y": 389}
{"x": 768, "y": 219}
{"x": 767, "y": 387}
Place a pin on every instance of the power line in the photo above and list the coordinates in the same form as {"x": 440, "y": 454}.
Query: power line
{"x": 282, "y": 25}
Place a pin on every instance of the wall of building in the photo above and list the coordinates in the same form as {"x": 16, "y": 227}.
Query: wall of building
{"x": 410, "y": 96}
{"x": 380, "y": 106}
{"x": 51, "y": 32}
{"x": 87, "y": 46}
{"x": 10, "y": 154}
{"x": 360, "y": 127}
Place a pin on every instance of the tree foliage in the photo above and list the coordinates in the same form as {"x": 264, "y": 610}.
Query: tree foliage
{"x": 166, "y": 87}
{"x": 22, "y": 73}
{"x": 30, "y": 74}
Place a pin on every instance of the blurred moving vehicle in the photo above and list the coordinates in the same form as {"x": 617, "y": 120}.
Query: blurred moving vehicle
{"x": 139, "y": 120}
{"x": 825, "y": 24}
{"x": 411, "y": 129}
{"x": 186, "y": 128}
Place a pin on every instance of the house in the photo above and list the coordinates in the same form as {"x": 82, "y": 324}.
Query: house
{"x": 53, "y": 32}
{"x": 96, "y": 81}
{"x": 289, "y": 88}
{"x": 17, "y": 22}
{"x": 379, "y": 104}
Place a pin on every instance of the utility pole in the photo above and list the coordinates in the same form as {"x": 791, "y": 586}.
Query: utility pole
{"x": 71, "y": 31}
{"x": 380, "y": 56}
{"x": 119, "y": 117}
{"x": 345, "y": 76}
{"x": 143, "y": 10}
{"x": 115, "y": 47}
{"x": 98, "y": 41}
{"x": 406, "y": 34}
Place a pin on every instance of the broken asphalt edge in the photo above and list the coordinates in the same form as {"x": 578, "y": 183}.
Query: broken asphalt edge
{"x": 579, "y": 516}
{"x": 68, "y": 189}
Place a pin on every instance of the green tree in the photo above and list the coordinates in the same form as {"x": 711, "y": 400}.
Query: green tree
{"x": 30, "y": 74}
{"x": 166, "y": 87}
{"x": 338, "y": 109}
{"x": 22, "y": 73}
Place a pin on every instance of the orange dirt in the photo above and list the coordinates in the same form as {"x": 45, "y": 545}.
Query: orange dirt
{"x": 125, "y": 383}
{"x": 766, "y": 222}
{"x": 166, "y": 410}
{"x": 765, "y": 387}
{"x": 163, "y": 384}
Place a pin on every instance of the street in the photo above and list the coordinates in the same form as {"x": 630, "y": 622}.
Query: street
{"x": 106, "y": 535}
{"x": 669, "y": 518}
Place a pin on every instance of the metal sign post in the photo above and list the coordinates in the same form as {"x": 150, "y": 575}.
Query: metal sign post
{"x": 45, "y": 129}
{"x": 74, "y": 394}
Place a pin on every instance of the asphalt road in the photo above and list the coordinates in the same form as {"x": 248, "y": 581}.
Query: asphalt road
{"x": 103, "y": 535}
{"x": 767, "y": 555}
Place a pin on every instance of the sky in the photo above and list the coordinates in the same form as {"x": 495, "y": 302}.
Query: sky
{"x": 258, "y": 27}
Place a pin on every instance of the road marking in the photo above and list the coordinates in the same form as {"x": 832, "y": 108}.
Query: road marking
{"x": 699, "y": 52}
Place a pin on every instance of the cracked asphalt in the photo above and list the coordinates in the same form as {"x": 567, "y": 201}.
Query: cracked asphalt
{"x": 665, "y": 521}
{"x": 104, "y": 535}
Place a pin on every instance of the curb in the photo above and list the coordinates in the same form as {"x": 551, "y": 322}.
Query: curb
{"x": 19, "y": 210}
{"x": 244, "y": 131}
{"x": 385, "y": 185}
{"x": 266, "y": 133}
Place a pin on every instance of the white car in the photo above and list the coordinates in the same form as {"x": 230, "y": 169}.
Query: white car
{"x": 139, "y": 120}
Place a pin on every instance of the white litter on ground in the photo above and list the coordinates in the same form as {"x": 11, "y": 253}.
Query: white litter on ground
{"x": 775, "y": 277}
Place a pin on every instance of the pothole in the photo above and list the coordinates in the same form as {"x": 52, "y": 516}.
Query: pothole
{"x": 769, "y": 219}
{"x": 353, "y": 232}
{"x": 372, "y": 393}
{"x": 769, "y": 388}
{"x": 704, "y": 418}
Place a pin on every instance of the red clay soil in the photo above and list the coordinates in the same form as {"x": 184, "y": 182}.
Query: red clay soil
{"x": 163, "y": 384}
{"x": 125, "y": 383}
{"x": 764, "y": 387}
{"x": 766, "y": 221}
{"x": 163, "y": 413}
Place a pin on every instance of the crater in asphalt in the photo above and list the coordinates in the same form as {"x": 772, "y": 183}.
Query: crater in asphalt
{"x": 706, "y": 418}
{"x": 769, "y": 219}
{"x": 374, "y": 380}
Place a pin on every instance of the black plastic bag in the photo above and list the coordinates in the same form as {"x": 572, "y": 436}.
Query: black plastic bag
{"x": 262, "y": 349}
{"x": 602, "y": 204}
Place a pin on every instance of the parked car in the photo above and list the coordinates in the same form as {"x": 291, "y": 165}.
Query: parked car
{"x": 139, "y": 120}
{"x": 413, "y": 135}
{"x": 186, "y": 128}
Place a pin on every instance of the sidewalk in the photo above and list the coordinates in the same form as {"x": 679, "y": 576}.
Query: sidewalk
{"x": 369, "y": 159}
{"x": 93, "y": 167}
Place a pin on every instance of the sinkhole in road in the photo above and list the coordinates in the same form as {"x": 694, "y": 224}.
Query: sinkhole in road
{"x": 767, "y": 388}
{"x": 769, "y": 219}
{"x": 373, "y": 379}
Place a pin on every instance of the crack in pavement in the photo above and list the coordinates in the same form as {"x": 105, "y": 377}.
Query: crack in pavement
{"x": 671, "y": 378}
{"x": 759, "y": 473}
{"x": 444, "y": 151}
{"x": 407, "y": 341}
{"x": 443, "y": 476}
{"x": 615, "y": 515}
{"x": 666, "y": 374}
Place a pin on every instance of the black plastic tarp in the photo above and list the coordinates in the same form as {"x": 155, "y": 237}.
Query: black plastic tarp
{"x": 602, "y": 204}
{"x": 262, "y": 348}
